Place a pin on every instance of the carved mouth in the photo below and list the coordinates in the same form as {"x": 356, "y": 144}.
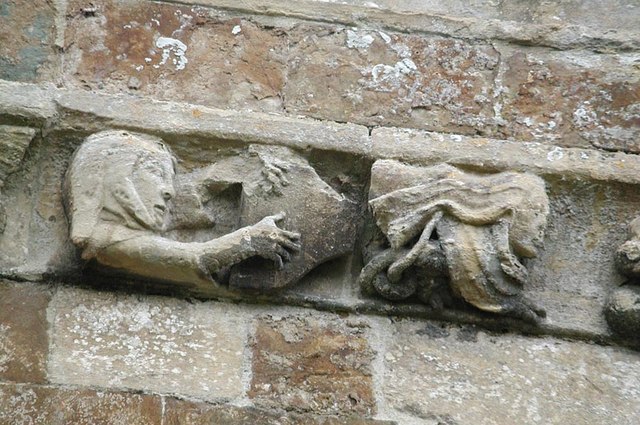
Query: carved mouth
{"x": 160, "y": 208}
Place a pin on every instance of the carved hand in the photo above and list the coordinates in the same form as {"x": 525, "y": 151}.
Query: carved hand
{"x": 271, "y": 242}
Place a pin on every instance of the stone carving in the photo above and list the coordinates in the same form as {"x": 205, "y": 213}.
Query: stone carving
{"x": 622, "y": 310}
{"x": 128, "y": 211}
{"x": 13, "y": 145}
{"x": 449, "y": 234}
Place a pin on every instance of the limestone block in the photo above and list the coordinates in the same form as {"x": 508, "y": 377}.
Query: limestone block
{"x": 151, "y": 344}
{"x": 92, "y": 111}
{"x": 27, "y": 102}
{"x": 312, "y": 363}
{"x": 31, "y": 404}
{"x": 24, "y": 341}
{"x": 180, "y": 412}
{"x": 440, "y": 374}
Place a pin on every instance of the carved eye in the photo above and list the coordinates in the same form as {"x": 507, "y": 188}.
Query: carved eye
{"x": 166, "y": 195}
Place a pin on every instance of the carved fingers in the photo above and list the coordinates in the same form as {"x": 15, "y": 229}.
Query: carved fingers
{"x": 274, "y": 173}
{"x": 273, "y": 243}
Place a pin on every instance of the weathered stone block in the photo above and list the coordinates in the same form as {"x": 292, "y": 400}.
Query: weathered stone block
{"x": 593, "y": 195}
{"x": 151, "y": 344}
{"x": 462, "y": 376}
{"x": 318, "y": 364}
{"x": 374, "y": 78}
{"x": 572, "y": 99}
{"x": 13, "y": 144}
{"x": 23, "y": 332}
{"x": 27, "y": 35}
{"x": 180, "y": 412}
{"x": 562, "y": 24}
{"x": 30, "y": 404}
{"x": 174, "y": 52}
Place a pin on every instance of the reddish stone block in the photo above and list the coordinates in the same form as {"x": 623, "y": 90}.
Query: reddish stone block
{"x": 23, "y": 332}
{"x": 375, "y": 78}
{"x": 31, "y": 404}
{"x": 312, "y": 364}
{"x": 174, "y": 52}
{"x": 572, "y": 100}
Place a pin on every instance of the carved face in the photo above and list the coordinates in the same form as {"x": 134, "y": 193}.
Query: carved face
{"x": 526, "y": 235}
{"x": 153, "y": 181}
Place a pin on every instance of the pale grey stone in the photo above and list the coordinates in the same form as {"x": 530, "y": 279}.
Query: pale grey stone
{"x": 27, "y": 101}
{"x": 428, "y": 148}
{"x": 91, "y": 111}
{"x": 457, "y": 375}
{"x": 153, "y": 344}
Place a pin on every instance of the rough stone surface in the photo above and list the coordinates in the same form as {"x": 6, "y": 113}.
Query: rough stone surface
{"x": 93, "y": 112}
{"x": 623, "y": 312}
{"x": 27, "y": 35}
{"x": 174, "y": 52}
{"x": 28, "y": 404}
{"x": 151, "y": 344}
{"x": 432, "y": 148}
{"x": 190, "y": 413}
{"x": 455, "y": 375}
{"x": 572, "y": 99}
{"x": 13, "y": 144}
{"x": 23, "y": 332}
{"x": 364, "y": 76}
{"x": 375, "y": 78}
{"x": 559, "y": 24}
{"x": 312, "y": 363}
{"x": 26, "y": 102}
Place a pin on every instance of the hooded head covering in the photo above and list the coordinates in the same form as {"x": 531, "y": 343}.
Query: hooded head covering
{"x": 99, "y": 183}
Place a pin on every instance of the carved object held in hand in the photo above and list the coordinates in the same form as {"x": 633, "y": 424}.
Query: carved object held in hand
{"x": 119, "y": 189}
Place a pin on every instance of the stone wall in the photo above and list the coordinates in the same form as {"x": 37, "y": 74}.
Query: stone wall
{"x": 549, "y": 88}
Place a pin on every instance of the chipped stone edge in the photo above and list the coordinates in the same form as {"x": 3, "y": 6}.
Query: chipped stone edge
{"x": 428, "y": 148}
{"x": 549, "y": 35}
{"x": 78, "y": 110}
{"x": 183, "y": 119}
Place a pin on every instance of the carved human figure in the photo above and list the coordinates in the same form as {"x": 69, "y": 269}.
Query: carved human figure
{"x": 447, "y": 227}
{"x": 118, "y": 191}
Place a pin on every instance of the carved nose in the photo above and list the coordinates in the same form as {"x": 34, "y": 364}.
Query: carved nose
{"x": 166, "y": 195}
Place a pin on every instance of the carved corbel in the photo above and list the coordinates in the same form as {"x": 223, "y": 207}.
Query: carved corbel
{"x": 126, "y": 204}
{"x": 451, "y": 234}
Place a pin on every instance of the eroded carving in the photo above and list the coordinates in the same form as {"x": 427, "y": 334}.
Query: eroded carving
{"x": 120, "y": 188}
{"x": 450, "y": 234}
{"x": 622, "y": 310}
